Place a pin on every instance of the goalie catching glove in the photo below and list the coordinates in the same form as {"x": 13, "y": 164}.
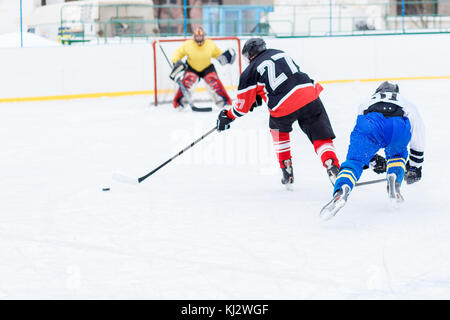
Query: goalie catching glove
{"x": 178, "y": 68}
{"x": 227, "y": 57}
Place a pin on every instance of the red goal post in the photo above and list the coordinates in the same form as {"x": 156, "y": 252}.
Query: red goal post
{"x": 164, "y": 88}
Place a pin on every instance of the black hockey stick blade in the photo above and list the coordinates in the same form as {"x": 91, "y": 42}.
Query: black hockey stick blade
{"x": 197, "y": 109}
{"x": 369, "y": 182}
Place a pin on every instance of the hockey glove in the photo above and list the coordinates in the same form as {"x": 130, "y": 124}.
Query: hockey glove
{"x": 378, "y": 164}
{"x": 227, "y": 57}
{"x": 413, "y": 174}
{"x": 223, "y": 122}
{"x": 177, "y": 70}
{"x": 257, "y": 103}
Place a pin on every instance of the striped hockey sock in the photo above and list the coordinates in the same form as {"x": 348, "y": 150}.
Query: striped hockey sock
{"x": 345, "y": 176}
{"x": 282, "y": 145}
{"x": 325, "y": 150}
{"x": 397, "y": 165}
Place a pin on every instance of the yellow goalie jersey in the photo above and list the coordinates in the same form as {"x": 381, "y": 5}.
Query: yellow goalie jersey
{"x": 198, "y": 57}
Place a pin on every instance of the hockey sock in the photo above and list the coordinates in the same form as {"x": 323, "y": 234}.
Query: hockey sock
{"x": 345, "y": 176}
{"x": 397, "y": 165}
{"x": 282, "y": 145}
{"x": 349, "y": 174}
{"x": 325, "y": 150}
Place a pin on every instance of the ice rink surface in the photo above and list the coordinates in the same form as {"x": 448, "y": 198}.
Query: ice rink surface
{"x": 216, "y": 223}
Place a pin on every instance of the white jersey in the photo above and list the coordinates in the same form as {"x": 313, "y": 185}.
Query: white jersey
{"x": 417, "y": 142}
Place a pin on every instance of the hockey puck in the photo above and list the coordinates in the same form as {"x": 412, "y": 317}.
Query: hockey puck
{"x": 105, "y": 189}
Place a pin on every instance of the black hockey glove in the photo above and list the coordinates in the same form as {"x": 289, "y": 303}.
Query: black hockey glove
{"x": 177, "y": 69}
{"x": 223, "y": 122}
{"x": 413, "y": 174}
{"x": 257, "y": 103}
{"x": 377, "y": 164}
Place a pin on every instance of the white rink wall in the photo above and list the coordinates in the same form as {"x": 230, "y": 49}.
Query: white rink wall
{"x": 55, "y": 71}
{"x": 52, "y": 71}
{"x": 345, "y": 58}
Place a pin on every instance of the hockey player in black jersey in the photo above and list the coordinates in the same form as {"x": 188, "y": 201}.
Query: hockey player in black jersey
{"x": 291, "y": 96}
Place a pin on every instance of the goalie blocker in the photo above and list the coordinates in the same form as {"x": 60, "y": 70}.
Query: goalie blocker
{"x": 177, "y": 70}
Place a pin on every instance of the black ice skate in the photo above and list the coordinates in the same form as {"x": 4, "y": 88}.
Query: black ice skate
{"x": 288, "y": 173}
{"x": 393, "y": 189}
{"x": 339, "y": 200}
{"x": 332, "y": 170}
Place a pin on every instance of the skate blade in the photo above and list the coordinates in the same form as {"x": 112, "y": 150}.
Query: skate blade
{"x": 396, "y": 201}
{"x": 332, "y": 208}
{"x": 395, "y": 197}
{"x": 289, "y": 187}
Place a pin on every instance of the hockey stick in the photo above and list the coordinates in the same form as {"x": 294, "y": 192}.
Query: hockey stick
{"x": 187, "y": 95}
{"x": 185, "y": 92}
{"x": 122, "y": 178}
{"x": 369, "y": 182}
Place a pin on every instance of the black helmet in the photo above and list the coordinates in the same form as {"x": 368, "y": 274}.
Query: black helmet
{"x": 253, "y": 47}
{"x": 387, "y": 87}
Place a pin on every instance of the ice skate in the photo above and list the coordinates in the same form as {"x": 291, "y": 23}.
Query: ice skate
{"x": 339, "y": 200}
{"x": 393, "y": 189}
{"x": 332, "y": 170}
{"x": 288, "y": 174}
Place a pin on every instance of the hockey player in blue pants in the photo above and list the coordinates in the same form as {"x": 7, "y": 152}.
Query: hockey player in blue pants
{"x": 386, "y": 121}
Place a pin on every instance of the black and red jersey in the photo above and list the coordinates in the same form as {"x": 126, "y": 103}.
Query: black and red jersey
{"x": 275, "y": 77}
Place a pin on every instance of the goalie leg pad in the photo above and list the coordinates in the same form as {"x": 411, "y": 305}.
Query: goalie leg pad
{"x": 189, "y": 79}
{"x": 213, "y": 81}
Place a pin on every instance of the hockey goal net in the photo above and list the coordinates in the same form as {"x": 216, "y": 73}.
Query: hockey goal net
{"x": 164, "y": 88}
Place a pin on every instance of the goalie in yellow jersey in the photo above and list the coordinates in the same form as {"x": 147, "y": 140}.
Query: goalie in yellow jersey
{"x": 199, "y": 52}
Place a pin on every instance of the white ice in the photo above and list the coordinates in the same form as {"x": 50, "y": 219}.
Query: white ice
{"x": 216, "y": 222}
